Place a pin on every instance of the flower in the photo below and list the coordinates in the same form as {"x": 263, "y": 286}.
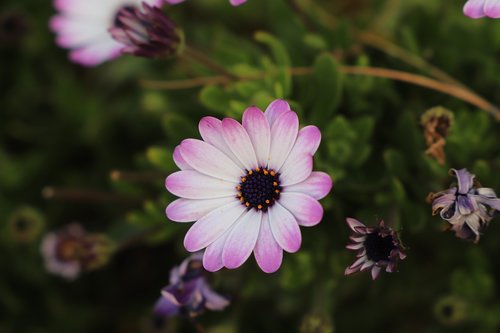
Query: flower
{"x": 233, "y": 2}
{"x": 377, "y": 247}
{"x": 248, "y": 187}
{"x": 468, "y": 208}
{"x": 71, "y": 250}
{"x": 25, "y": 224}
{"x": 147, "y": 33}
{"x": 481, "y": 8}
{"x": 188, "y": 292}
{"x": 82, "y": 26}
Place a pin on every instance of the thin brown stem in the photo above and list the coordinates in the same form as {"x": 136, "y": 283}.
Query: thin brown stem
{"x": 201, "y": 58}
{"x": 415, "y": 79}
{"x": 135, "y": 177}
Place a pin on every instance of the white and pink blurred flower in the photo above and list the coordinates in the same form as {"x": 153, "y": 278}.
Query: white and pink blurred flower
{"x": 82, "y": 26}
{"x": 232, "y": 2}
{"x": 248, "y": 187}
{"x": 482, "y": 8}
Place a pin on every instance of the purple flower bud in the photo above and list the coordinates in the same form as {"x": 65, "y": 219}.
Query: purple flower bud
{"x": 146, "y": 33}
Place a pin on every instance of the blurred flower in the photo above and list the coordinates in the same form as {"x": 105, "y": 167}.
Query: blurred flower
{"x": 146, "y": 33}
{"x": 481, "y": 8}
{"x": 377, "y": 247}
{"x": 468, "y": 208}
{"x": 450, "y": 310}
{"x": 25, "y": 224}
{"x": 82, "y": 26}
{"x": 249, "y": 187}
{"x": 72, "y": 249}
{"x": 436, "y": 123}
{"x": 188, "y": 292}
{"x": 233, "y": 2}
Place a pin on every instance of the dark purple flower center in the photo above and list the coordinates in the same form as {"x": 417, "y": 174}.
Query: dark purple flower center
{"x": 378, "y": 247}
{"x": 259, "y": 188}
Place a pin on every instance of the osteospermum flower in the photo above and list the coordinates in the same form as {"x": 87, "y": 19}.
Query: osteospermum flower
{"x": 233, "y": 2}
{"x": 146, "y": 33}
{"x": 468, "y": 207}
{"x": 482, "y": 8}
{"x": 378, "y": 247}
{"x": 82, "y": 26}
{"x": 248, "y": 187}
{"x": 70, "y": 250}
{"x": 188, "y": 292}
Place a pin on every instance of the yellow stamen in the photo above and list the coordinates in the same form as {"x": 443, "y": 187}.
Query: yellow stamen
{"x": 272, "y": 173}
{"x": 266, "y": 172}
{"x": 275, "y": 183}
{"x": 268, "y": 202}
{"x": 238, "y": 187}
{"x": 242, "y": 199}
{"x": 250, "y": 172}
{"x": 243, "y": 179}
{"x": 247, "y": 204}
{"x": 259, "y": 207}
{"x": 277, "y": 191}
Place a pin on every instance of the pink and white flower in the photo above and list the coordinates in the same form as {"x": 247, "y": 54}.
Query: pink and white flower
{"x": 232, "y": 2}
{"x": 482, "y": 8}
{"x": 82, "y": 26}
{"x": 248, "y": 186}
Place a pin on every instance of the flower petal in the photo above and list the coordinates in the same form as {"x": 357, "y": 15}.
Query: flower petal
{"x": 239, "y": 142}
{"x": 267, "y": 252}
{"x": 259, "y": 131}
{"x": 213, "y": 301}
{"x": 164, "y": 307}
{"x": 354, "y": 224}
{"x": 212, "y": 257}
{"x": 241, "y": 242}
{"x": 317, "y": 185}
{"x": 375, "y": 271}
{"x": 283, "y": 135}
{"x": 285, "y": 228}
{"x": 276, "y": 109}
{"x": 211, "y": 131}
{"x": 474, "y": 9}
{"x": 307, "y": 211}
{"x": 465, "y": 180}
{"x": 213, "y": 225}
{"x": 466, "y": 205}
{"x": 237, "y": 2}
{"x": 308, "y": 140}
{"x": 191, "y": 184}
{"x": 179, "y": 161}
{"x": 207, "y": 159}
{"x": 492, "y": 8}
{"x": 187, "y": 210}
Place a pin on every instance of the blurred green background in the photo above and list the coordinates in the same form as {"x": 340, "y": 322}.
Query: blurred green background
{"x": 67, "y": 128}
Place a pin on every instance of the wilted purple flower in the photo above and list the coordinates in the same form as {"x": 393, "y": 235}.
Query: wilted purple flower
{"x": 233, "y": 2}
{"x": 468, "y": 208}
{"x": 377, "y": 247}
{"x": 146, "y": 33}
{"x": 82, "y": 26}
{"x": 188, "y": 292}
{"x": 482, "y": 8}
{"x": 71, "y": 250}
{"x": 248, "y": 186}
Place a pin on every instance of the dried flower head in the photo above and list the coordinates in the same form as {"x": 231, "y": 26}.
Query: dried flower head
{"x": 468, "y": 207}
{"x": 249, "y": 187}
{"x": 482, "y": 8}
{"x": 147, "y": 32}
{"x": 188, "y": 292}
{"x": 436, "y": 123}
{"x": 70, "y": 250}
{"x": 377, "y": 247}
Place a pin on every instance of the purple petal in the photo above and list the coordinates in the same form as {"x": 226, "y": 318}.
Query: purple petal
{"x": 212, "y": 257}
{"x": 283, "y": 135}
{"x": 285, "y": 228}
{"x": 268, "y": 253}
{"x": 239, "y": 142}
{"x": 474, "y": 9}
{"x": 465, "y": 180}
{"x": 354, "y": 224}
{"x": 213, "y": 225}
{"x": 318, "y": 185}
{"x": 492, "y": 8}
{"x": 306, "y": 210}
{"x": 259, "y": 131}
{"x": 179, "y": 161}
{"x": 375, "y": 271}
{"x": 165, "y": 308}
{"x": 276, "y": 109}
{"x": 237, "y": 2}
{"x": 466, "y": 205}
{"x": 187, "y": 210}
{"x": 191, "y": 184}
{"x": 213, "y": 301}
{"x": 241, "y": 241}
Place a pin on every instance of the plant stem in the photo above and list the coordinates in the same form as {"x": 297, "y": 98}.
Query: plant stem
{"x": 306, "y": 20}
{"x": 135, "y": 177}
{"x": 415, "y": 79}
{"x": 201, "y": 58}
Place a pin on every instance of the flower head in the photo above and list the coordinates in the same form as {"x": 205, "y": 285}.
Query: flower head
{"x": 377, "y": 247}
{"x": 468, "y": 207}
{"x": 146, "y": 33}
{"x": 71, "y": 250}
{"x": 188, "y": 292}
{"x": 82, "y": 26}
{"x": 248, "y": 187}
{"x": 233, "y": 2}
{"x": 482, "y": 8}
